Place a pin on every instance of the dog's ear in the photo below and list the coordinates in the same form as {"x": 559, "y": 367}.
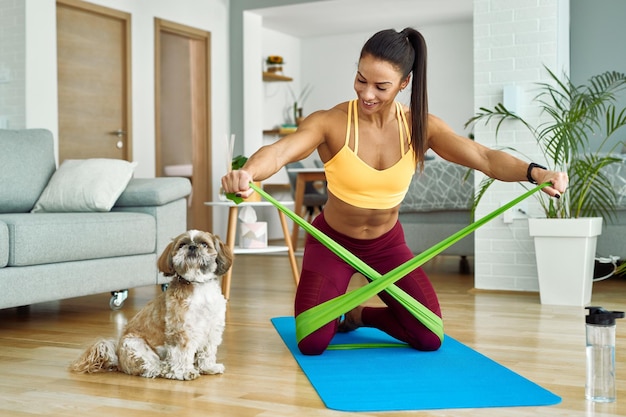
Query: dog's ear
{"x": 224, "y": 256}
{"x": 165, "y": 261}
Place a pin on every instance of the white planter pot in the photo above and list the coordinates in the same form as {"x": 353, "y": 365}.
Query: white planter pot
{"x": 565, "y": 250}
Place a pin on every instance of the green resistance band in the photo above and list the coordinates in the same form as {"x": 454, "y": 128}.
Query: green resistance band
{"x": 314, "y": 318}
{"x": 307, "y": 323}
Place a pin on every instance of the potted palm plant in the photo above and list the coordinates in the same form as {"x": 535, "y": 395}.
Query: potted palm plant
{"x": 576, "y": 136}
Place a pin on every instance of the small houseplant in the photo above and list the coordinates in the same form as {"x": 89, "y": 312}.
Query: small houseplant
{"x": 298, "y": 101}
{"x": 274, "y": 63}
{"x": 576, "y": 138}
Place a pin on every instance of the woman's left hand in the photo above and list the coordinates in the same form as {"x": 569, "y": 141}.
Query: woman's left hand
{"x": 559, "y": 181}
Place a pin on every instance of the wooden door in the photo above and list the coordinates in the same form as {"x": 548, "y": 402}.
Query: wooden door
{"x": 182, "y": 97}
{"x": 93, "y": 53}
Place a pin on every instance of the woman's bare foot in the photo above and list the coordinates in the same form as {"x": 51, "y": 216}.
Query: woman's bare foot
{"x": 352, "y": 320}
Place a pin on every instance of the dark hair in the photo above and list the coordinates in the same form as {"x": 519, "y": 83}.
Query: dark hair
{"x": 406, "y": 50}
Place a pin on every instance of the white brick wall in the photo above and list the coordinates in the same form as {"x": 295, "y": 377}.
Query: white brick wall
{"x": 513, "y": 40}
{"x": 12, "y": 63}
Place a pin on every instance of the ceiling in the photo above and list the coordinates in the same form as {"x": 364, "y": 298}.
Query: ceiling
{"x": 332, "y": 17}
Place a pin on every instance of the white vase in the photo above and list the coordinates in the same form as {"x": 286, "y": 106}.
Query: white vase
{"x": 565, "y": 250}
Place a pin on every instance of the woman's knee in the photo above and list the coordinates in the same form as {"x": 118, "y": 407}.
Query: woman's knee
{"x": 317, "y": 342}
{"x": 313, "y": 345}
{"x": 311, "y": 349}
{"x": 426, "y": 341}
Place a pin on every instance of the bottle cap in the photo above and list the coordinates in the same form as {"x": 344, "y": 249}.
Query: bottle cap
{"x": 598, "y": 315}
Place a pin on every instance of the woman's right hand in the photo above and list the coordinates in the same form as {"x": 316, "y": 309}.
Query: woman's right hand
{"x": 238, "y": 182}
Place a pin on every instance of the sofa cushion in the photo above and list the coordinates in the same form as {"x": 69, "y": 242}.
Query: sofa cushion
{"x": 442, "y": 186}
{"x": 81, "y": 185}
{"x": 4, "y": 245}
{"x": 617, "y": 174}
{"x": 153, "y": 191}
{"x": 26, "y": 164}
{"x": 41, "y": 238}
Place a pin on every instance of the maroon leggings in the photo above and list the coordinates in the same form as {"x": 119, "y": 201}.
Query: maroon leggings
{"x": 326, "y": 276}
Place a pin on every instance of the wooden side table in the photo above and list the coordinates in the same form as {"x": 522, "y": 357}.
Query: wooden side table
{"x": 303, "y": 175}
{"x": 231, "y": 233}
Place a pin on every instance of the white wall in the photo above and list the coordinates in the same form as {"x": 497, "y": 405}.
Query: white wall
{"x": 598, "y": 31}
{"x": 511, "y": 46}
{"x": 253, "y": 87}
{"x": 12, "y": 63}
{"x": 329, "y": 64}
{"x": 209, "y": 15}
{"x": 451, "y": 72}
{"x": 41, "y": 109}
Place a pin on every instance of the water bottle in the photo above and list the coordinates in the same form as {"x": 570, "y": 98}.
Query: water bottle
{"x": 600, "y": 330}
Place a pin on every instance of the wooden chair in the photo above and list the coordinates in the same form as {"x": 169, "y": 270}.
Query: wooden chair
{"x": 314, "y": 198}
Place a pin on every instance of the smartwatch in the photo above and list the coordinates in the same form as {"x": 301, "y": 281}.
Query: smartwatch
{"x": 529, "y": 170}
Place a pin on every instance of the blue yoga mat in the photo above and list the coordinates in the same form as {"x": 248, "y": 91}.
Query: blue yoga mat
{"x": 401, "y": 378}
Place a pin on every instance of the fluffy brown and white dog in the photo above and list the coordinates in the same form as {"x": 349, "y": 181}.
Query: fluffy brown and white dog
{"x": 176, "y": 335}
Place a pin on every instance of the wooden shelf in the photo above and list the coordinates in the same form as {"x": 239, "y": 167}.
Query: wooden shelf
{"x": 270, "y": 76}
{"x": 278, "y": 132}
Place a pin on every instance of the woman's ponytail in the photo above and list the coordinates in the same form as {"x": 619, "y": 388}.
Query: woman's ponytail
{"x": 419, "y": 96}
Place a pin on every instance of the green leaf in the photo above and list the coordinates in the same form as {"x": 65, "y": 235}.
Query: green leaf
{"x": 238, "y": 162}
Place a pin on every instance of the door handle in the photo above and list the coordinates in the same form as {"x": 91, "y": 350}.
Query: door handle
{"x": 119, "y": 133}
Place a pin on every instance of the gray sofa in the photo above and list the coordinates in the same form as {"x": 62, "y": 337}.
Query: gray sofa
{"x": 50, "y": 256}
{"x": 437, "y": 205}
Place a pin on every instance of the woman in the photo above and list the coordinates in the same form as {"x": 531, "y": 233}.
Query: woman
{"x": 371, "y": 147}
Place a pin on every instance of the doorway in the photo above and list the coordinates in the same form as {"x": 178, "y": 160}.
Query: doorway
{"x": 182, "y": 114}
{"x": 93, "y": 54}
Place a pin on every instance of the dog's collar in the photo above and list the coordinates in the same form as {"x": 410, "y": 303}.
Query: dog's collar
{"x": 183, "y": 280}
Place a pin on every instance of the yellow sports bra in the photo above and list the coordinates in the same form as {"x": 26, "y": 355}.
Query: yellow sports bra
{"x": 355, "y": 182}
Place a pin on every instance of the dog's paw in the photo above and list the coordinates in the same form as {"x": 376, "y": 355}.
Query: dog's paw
{"x": 216, "y": 368}
{"x": 188, "y": 375}
{"x": 191, "y": 375}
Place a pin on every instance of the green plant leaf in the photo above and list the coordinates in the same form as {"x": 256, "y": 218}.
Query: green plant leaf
{"x": 238, "y": 162}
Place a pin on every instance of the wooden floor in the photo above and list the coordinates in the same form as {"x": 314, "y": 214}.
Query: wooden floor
{"x": 543, "y": 343}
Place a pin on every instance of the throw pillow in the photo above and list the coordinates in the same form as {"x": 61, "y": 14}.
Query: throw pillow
{"x": 81, "y": 185}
